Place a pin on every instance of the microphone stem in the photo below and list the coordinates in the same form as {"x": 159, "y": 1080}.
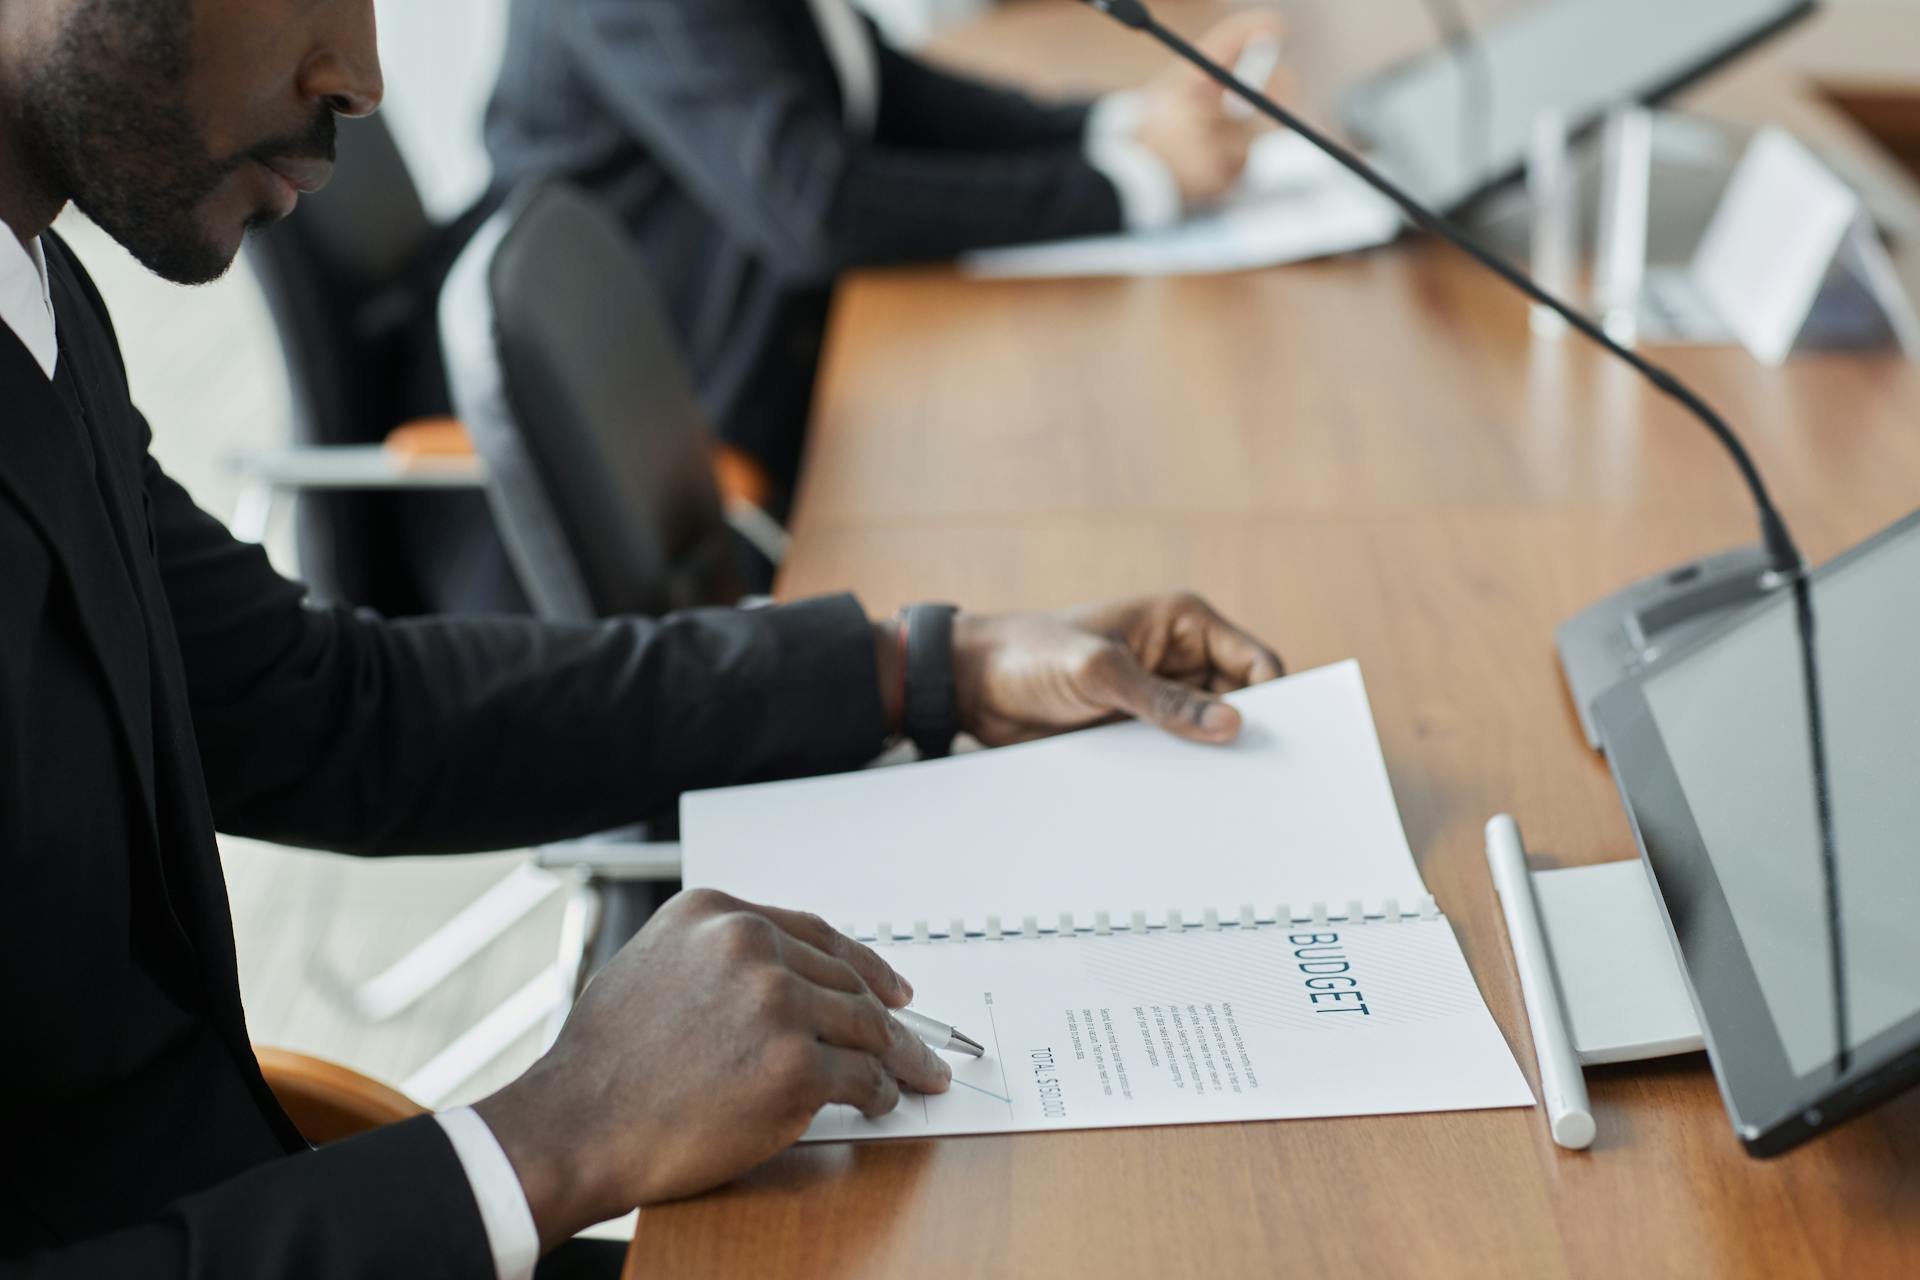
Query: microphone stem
{"x": 1773, "y": 528}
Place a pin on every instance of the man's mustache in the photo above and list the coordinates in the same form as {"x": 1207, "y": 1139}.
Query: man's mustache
{"x": 315, "y": 142}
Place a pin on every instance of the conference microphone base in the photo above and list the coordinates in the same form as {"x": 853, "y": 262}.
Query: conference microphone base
{"x": 1629, "y": 631}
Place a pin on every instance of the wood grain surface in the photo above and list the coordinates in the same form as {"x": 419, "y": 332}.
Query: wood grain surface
{"x": 1369, "y": 458}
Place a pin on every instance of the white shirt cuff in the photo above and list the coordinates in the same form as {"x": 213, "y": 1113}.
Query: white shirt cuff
{"x": 1149, "y": 195}
{"x": 511, "y": 1235}
{"x": 1115, "y": 115}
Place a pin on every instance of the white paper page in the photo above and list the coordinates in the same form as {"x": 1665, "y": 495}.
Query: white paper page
{"x": 1199, "y": 1028}
{"x": 1118, "y": 819}
{"x": 1293, "y": 204}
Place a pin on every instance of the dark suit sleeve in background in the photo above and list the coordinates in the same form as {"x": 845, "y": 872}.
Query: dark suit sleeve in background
{"x": 922, "y": 105}
{"x": 711, "y": 91}
{"x": 394, "y": 1202}
{"x": 340, "y": 730}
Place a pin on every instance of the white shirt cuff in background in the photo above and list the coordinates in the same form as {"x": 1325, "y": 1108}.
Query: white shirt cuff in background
{"x": 511, "y": 1235}
{"x": 1149, "y": 196}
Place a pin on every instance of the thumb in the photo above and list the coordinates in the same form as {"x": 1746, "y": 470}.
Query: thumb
{"x": 1181, "y": 710}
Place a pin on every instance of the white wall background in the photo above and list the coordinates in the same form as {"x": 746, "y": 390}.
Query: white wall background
{"x": 441, "y": 57}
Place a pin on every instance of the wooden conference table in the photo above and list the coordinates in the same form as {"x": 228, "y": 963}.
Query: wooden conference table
{"x": 1366, "y": 458}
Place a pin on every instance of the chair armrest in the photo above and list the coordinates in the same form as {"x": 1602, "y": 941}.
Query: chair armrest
{"x": 327, "y": 1101}
{"x": 760, "y": 530}
{"x": 739, "y": 477}
{"x": 358, "y": 466}
{"x": 430, "y": 438}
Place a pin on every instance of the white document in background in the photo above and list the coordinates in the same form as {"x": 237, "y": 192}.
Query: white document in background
{"x": 1293, "y": 203}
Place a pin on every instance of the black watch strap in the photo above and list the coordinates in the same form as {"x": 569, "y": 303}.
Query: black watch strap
{"x": 930, "y": 713}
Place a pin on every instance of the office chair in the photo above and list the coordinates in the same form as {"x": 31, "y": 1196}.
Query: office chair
{"x": 327, "y": 1101}
{"x": 600, "y": 472}
{"x": 351, "y": 280}
{"x": 570, "y": 380}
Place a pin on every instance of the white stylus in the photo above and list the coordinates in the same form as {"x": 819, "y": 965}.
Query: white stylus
{"x": 938, "y": 1034}
{"x": 1563, "y": 1089}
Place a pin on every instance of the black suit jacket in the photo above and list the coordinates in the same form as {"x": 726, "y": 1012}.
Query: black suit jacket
{"x": 715, "y": 129}
{"x": 158, "y": 680}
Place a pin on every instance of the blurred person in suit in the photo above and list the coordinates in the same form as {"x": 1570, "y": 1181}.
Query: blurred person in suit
{"x": 759, "y": 148}
{"x": 159, "y": 682}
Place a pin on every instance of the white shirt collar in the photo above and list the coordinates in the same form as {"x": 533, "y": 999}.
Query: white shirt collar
{"x": 26, "y": 298}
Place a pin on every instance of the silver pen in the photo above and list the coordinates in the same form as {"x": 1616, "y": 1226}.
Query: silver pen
{"x": 939, "y": 1034}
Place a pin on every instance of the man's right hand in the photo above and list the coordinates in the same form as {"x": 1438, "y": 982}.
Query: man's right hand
{"x": 703, "y": 1049}
{"x": 1184, "y": 120}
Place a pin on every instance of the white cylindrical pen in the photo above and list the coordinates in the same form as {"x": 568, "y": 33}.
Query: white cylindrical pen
{"x": 1563, "y": 1089}
{"x": 938, "y": 1034}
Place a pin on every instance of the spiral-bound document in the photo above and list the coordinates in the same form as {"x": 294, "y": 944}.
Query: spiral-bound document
{"x": 1140, "y": 930}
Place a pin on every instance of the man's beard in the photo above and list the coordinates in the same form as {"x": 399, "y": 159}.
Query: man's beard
{"x": 106, "y": 125}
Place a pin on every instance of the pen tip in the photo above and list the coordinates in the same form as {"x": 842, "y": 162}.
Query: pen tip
{"x": 967, "y": 1044}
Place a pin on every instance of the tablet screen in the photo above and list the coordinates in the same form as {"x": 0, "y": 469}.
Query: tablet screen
{"x": 1836, "y": 957}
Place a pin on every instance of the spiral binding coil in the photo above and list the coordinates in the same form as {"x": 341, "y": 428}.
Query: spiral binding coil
{"x": 1137, "y": 924}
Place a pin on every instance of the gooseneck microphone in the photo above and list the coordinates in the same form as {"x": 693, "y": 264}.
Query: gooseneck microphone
{"x": 1785, "y": 556}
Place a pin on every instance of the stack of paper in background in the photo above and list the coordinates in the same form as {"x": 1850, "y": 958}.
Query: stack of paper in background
{"x": 1293, "y": 203}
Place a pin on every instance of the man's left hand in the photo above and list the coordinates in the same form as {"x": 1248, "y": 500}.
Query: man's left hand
{"x": 1163, "y": 659}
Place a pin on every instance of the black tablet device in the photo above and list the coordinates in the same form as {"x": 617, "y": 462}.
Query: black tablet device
{"x": 1771, "y": 771}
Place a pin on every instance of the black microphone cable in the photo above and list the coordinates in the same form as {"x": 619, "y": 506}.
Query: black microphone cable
{"x": 1781, "y": 550}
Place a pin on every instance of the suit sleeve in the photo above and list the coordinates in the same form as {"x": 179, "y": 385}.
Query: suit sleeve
{"x": 394, "y": 1202}
{"x": 922, "y": 105}
{"x": 337, "y": 729}
{"x": 727, "y": 109}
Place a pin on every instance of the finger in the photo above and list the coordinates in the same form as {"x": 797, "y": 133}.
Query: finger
{"x": 1122, "y": 683}
{"x": 910, "y": 1061}
{"x": 858, "y": 1080}
{"x": 893, "y": 990}
{"x": 850, "y": 1021}
{"x": 1198, "y": 645}
{"x": 1234, "y": 653}
{"x": 819, "y": 968}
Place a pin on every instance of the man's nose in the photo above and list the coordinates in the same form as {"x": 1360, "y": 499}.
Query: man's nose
{"x": 343, "y": 72}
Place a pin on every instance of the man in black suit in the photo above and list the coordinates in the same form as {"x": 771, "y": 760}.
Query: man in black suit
{"x": 158, "y": 681}
{"x": 758, "y": 148}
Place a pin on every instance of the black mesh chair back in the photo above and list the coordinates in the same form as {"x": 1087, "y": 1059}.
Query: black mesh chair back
{"x": 351, "y": 279}
{"x": 567, "y": 372}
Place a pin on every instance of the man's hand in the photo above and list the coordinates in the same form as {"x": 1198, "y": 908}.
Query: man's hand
{"x": 1184, "y": 119}
{"x": 704, "y": 1049}
{"x": 1160, "y": 659}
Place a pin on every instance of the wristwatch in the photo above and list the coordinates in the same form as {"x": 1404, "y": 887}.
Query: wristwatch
{"x": 929, "y": 711}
